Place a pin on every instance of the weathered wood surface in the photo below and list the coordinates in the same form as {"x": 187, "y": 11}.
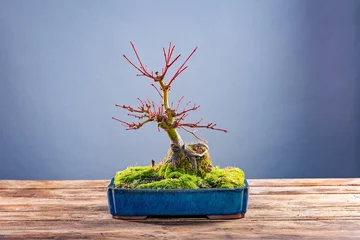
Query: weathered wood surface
{"x": 278, "y": 209}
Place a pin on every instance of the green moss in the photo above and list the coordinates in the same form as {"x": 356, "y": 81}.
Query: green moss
{"x": 225, "y": 178}
{"x": 150, "y": 178}
{"x": 174, "y": 174}
{"x": 165, "y": 176}
{"x": 133, "y": 176}
{"x": 183, "y": 182}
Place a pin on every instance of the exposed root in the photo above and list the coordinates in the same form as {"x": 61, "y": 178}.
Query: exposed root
{"x": 179, "y": 152}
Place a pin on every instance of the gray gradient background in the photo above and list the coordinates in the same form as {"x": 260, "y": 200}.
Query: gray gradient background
{"x": 281, "y": 76}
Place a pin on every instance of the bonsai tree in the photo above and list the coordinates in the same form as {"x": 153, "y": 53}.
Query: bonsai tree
{"x": 170, "y": 118}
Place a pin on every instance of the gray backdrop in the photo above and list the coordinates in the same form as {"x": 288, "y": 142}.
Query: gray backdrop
{"x": 281, "y": 76}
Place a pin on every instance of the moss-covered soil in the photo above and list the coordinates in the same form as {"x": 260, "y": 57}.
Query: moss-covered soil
{"x": 165, "y": 176}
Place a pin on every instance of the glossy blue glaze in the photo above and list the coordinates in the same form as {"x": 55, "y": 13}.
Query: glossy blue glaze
{"x": 174, "y": 202}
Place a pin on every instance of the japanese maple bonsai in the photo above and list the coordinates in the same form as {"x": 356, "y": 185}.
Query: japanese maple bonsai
{"x": 187, "y": 166}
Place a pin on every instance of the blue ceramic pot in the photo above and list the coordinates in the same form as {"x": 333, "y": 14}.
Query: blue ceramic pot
{"x": 215, "y": 203}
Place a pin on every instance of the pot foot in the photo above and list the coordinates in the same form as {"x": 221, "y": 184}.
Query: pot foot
{"x": 226, "y": 217}
{"x": 130, "y": 217}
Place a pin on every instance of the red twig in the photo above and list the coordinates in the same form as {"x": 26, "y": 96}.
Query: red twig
{"x": 199, "y": 121}
{"x": 130, "y": 108}
{"x": 181, "y": 69}
{"x": 193, "y": 133}
{"x": 129, "y": 126}
{"x": 168, "y": 58}
{"x": 137, "y": 56}
{"x": 124, "y": 123}
{"x": 136, "y": 116}
{"x": 153, "y": 105}
{"x": 141, "y": 69}
{"x": 169, "y": 54}
{"x": 157, "y": 90}
{"x": 179, "y": 101}
{"x": 169, "y": 65}
{"x": 209, "y": 126}
{"x": 181, "y": 118}
{"x": 186, "y": 105}
{"x": 133, "y": 126}
{"x": 165, "y": 58}
{"x": 143, "y": 73}
{"x": 188, "y": 110}
{"x": 142, "y": 103}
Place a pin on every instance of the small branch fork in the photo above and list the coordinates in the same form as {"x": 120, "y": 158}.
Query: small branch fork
{"x": 179, "y": 117}
{"x": 166, "y": 117}
{"x": 168, "y": 63}
{"x": 147, "y": 109}
{"x": 153, "y": 112}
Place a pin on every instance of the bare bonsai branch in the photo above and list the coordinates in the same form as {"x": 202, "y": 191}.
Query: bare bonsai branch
{"x": 181, "y": 68}
{"x": 166, "y": 118}
{"x": 137, "y": 116}
{"x": 179, "y": 101}
{"x": 193, "y": 133}
{"x": 195, "y": 107}
{"x": 129, "y": 108}
{"x": 157, "y": 90}
{"x": 133, "y": 126}
{"x": 141, "y": 69}
{"x": 208, "y": 126}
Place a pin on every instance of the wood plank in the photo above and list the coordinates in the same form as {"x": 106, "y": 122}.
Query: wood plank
{"x": 280, "y": 214}
{"x": 304, "y": 182}
{"x": 184, "y": 236}
{"x": 54, "y": 193}
{"x": 55, "y": 216}
{"x": 281, "y": 208}
{"x": 51, "y": 184}
{"x": 269, "y": 200}
{"x": 344, "y": 206}
{"x": 26, "y": 208}
{"x": 81, "y": 184}
{"x": 304, "y": 190}
{"x": 173, "y": 223}
{"x": 101, "y": 192}
{"x": 166, "y": 235}
{"x": 184, "y": 229}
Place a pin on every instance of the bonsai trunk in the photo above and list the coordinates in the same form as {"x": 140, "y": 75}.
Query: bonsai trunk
{"x": 174, "y": 137}
{"x": 180, "y": 152}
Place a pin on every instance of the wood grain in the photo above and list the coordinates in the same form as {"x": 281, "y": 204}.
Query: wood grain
{"x": 278, "y": 209}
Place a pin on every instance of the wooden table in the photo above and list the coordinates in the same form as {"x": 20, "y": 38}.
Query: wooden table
{"x": 287, "y": 208}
